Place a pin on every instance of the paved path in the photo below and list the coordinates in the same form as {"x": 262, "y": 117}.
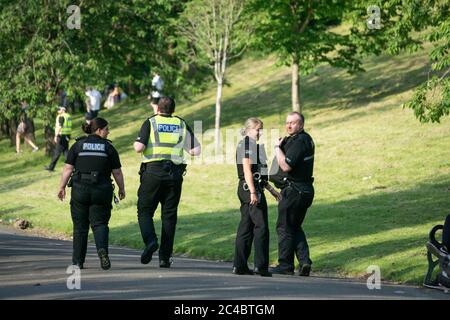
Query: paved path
{"x": 35, "y": 268}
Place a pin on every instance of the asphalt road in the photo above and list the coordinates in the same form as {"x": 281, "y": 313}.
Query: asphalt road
{"x": 35, "y": 268}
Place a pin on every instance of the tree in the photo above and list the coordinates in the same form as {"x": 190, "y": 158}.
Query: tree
{"x": 405, "y": 26}
{"x": 118, "y": 41}
{"x": 299, "y": 33}
{"x": 216, "y": 34}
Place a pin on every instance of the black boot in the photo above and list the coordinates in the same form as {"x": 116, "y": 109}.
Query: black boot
{"x": 147, "y": 255}
{"x": 104, "y": 259}
{"x": 262, "y": 272}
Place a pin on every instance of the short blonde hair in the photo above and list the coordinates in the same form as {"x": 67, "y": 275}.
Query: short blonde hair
{"x": 251, "y": 123}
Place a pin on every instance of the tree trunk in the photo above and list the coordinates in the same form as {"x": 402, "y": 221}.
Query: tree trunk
{"x": 5, "y": 129}
{"x": 217, "y": 122}
{"x": 13, "y": 123}
{"x": 296, "y": 106}
{"x": 49, "y": 135}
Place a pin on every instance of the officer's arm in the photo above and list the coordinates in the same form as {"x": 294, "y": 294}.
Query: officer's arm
{"x": 138, "y": 146}
{"x": 118, "y": 176}
{"x": 59, "y": 128}
{"x": 281, "y": 158}
{"x": 67, "y": 172}
{"x": 248, "y": 175}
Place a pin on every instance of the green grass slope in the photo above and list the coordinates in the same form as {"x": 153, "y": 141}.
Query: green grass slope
{"x": 382, "y": 178}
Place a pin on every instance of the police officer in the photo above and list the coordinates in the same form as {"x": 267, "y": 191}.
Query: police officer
{"x": 252, "y": 173}
{"x": 295, "y": 157}
{"x": 90, "y": 162}
{"x": 63, "y": 130}
{"x": 162, "y": 141}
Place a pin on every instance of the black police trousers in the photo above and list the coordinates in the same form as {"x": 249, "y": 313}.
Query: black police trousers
{"x": 90, "y": 205}
{"x": 62, "y": 146}
{"x": 291, "y": 237}
{"x": 253, "y": 228}
{"x": 165, "y": 188}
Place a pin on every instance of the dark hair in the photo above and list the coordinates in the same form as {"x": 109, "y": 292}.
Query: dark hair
{"x": 302, "y": 118}
{"x": 97, "y": 123}
{"x": 166, "y": 105}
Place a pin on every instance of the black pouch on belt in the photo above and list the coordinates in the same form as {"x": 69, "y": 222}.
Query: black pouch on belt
{"x": 92, "y": 177}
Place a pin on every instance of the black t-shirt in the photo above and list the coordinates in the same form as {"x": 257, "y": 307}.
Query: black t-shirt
{"x": 93, "y": 153}
{"x": 190, "y": 141}
{"x": 249, "y": 149}
{"x": 299, "y": 151}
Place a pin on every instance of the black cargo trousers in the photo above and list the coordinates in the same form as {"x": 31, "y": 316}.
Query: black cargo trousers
{"x": 90, "y": 205}
{"x": 159, "y": 184}
{"x": 62, "y": 147}
{"x": 296, "y": 199}
{"x": 253, "y": 228}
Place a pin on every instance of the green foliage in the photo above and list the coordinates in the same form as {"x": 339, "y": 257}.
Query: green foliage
{"x": 406, "y": 26}
{"x": 213, "y": 32}
{"x": 119, "y": 41}
{"x": 301, "y": 31}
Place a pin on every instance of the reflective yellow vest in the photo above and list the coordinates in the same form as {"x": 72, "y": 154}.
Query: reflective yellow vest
{"x": 166, "y": 141}
{"x": 67, "y": 126}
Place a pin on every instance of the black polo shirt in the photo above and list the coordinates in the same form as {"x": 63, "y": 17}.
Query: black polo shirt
{"x": 93, "y": 153}
{"x": 247, "y": 148}
{"x": 299, "y": 151}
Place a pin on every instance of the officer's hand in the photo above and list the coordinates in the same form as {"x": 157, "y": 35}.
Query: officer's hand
{"x": 253, "y": 199}
{"x": 121, "y": 194}
{"x": 62, "y": 194}
{"x": 55, "y": 140}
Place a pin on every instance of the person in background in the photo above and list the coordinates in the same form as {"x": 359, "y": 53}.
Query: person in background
{"x": 63, "y": 130}
{"x": 93, "y": 102}
{"x": 25, "y": 131}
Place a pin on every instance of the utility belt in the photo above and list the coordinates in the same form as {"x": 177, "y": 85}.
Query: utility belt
{"x": 258, "y": 182}
{"x": 300, "y": 186}
{"x": 165, "y": 165}
{"x": 93, "y": 177}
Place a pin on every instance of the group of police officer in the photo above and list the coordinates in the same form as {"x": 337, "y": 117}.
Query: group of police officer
{"x": 162, "y": 141}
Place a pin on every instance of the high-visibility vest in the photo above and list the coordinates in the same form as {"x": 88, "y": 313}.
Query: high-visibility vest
{"x": 67, "y": 125}
{"x": 166, "y": 140}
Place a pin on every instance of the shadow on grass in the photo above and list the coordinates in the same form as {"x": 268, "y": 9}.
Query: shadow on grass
{"x": 211, "y": 235}
{"x": 14, "y": 209}
{"x": 326, "y": 88}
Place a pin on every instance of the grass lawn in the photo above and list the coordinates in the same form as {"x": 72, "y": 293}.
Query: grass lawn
{"x": 382, "y": 178}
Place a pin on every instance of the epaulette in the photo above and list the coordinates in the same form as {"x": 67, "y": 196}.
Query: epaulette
{"x": 80, "y": 138}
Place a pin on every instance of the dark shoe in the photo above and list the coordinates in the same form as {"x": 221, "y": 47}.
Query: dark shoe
{"x": 262, "y": 272}
{"x": 146, "y": 256}
{"x": 49, "y": 169}
{"x": 104, "y": 259}
{"x": 242, "y": 271}
{"x": 164, "y": 263}
{"x": 280, "y": 270}
{"x": 79, "y": 265}
{"x": 304, "y": 270}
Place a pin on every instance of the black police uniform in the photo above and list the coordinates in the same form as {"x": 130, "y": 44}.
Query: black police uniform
{"x": 160, "y": 182}
{"x": 94, "y": 158}
{"x": 62, "y": 146}
{"x": 297, "y": 196}
{"x": 253, "y": 226}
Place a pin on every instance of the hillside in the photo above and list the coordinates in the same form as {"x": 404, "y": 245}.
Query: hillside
{"x": 382, "y": 178}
